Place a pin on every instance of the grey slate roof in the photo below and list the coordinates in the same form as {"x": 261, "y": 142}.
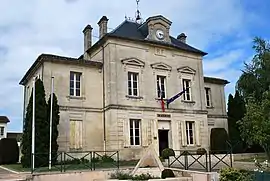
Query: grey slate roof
{"x": 133, "y": 30}
{"x": 4, "y": 119}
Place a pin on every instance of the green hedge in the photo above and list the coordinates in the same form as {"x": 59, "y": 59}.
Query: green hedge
{"x": 9, "y": 151}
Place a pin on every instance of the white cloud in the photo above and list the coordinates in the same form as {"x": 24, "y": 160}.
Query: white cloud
{"x": 29, "y": 28}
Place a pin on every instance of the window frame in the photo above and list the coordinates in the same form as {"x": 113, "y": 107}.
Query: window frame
{"x": 208, "y": 94}
{"x": 132, "y": 74}
{"x": 188, "y": 129}
{"x": 186, "y": 93}
{"x": 159, "y": 82}
{"x": 2, "y": 130}
{"x": 132, "y": 133}
{"x": 74, "y": 80}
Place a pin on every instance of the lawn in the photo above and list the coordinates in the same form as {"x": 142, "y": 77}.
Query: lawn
{"x": 260, "y": 158}
{"x": 68, "y": 167}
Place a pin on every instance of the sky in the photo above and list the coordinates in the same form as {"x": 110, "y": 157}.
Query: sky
{"x": 224, "y": 29}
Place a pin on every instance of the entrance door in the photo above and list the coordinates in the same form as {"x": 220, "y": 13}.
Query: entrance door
{"x": 163, "y": 140}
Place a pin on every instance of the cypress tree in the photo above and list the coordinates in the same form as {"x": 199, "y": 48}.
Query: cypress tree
{"x": 236, "y": 111}
{"x": 41, "y": 129}
{"x": 55, "y": 122}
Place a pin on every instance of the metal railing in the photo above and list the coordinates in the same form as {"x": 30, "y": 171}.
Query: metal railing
{"x": 187, "y": 159}
{"x": 77, "y": 160}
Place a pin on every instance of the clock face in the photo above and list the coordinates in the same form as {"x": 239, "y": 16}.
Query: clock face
{"x": 160, "y": 34}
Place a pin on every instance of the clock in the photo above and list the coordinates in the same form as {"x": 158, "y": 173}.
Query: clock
{"x": 160, "y": 34}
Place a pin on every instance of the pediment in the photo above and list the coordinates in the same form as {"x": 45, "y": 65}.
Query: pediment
{"x": 161, "y": 66}
{"x": 133, "y": 61}
{"x": 186, "y": 70}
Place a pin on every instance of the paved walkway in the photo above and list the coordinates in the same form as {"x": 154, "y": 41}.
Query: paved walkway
{"x": 6, "y": 175}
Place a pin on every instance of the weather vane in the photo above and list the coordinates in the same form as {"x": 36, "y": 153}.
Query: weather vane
{"x": 138, "y": 17}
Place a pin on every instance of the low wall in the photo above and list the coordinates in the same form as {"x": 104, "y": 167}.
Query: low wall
{"x": 197, "y": 176}
{"x": 183, "y": 175}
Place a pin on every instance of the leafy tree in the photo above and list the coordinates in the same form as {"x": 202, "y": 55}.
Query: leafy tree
{"x": 253, "y": 85}
{"x": 255, "y": 127}
{"x": 255, "y": 79}
{"x": 41, "y": 129}
{"x": 236, "y": 111}
{"x": 55, "y": 122}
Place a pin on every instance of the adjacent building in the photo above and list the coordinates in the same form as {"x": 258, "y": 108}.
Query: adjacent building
{"x": 3, "y": 126}
{"x": 110, "y": 96}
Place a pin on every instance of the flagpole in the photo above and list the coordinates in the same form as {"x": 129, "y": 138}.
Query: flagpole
{"x": 50, "y": 151}
{"x": 33, "y": 126}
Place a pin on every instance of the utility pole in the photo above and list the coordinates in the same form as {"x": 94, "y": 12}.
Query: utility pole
{"x": 33, "y": 126}
{"x": 50, "y": 151}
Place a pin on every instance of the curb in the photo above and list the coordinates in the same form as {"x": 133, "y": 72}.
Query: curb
{"x": 9, "y": 170}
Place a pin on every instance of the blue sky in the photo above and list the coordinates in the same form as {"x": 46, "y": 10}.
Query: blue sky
{"x": 225, "y": 29}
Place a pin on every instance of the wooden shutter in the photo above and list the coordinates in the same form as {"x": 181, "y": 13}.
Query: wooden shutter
{"x": 144, "y": 132}
{"x": 197, "y": 132}
{"x": 76, "y": 132}
{"x": 183, "y": 133}
{"x": 79, "y": 136}
{"x": 126, "y": 132}
{"x": 72, "y": 134}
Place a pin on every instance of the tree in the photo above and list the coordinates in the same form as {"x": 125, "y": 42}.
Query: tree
{"x": 255, "y": 127}
{"x": 253, "y": 85}
{"x": 55, "y": 122}
{"x": 236, "y": 111}
{"x": 255, "y": 79}
{"x": 41, "y": 129}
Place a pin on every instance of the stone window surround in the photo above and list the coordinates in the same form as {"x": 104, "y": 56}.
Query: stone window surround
{"x": 188, "y": 74}
{"x": 134, "y": 65}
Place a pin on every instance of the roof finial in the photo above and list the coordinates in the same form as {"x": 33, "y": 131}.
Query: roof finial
{"x": 138, "y": 17}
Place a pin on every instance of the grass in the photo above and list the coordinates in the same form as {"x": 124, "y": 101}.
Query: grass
{"x": 66, "y": 167}
{"x": 251, "y": 159}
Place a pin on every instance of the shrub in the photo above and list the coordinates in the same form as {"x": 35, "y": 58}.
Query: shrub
{"x": 9, "y": 151}
{"x": 219, "y": 138}
{"x": 167, "y": 152}
{"x": 106, "y": 158}
{"x": 127, "y": 176}
{"x": 231, "y": 174}
{"x": 167, "y": 173}
{"x": 201, "y": 151}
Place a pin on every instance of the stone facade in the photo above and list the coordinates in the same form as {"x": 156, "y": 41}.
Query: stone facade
{"x": 104, "y": 115}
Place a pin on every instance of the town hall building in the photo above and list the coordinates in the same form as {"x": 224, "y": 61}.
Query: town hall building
{"x": 110, "y": 96}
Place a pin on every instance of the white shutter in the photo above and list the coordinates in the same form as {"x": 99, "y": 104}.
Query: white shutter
{"x": 183, "y": 133}
{"x": 197, "y": 132}
{"x": 144, "y": 132}
{"x": 72, "y": 134}
{"x": 80, "y": 134}
{"x": 126, "y": 132}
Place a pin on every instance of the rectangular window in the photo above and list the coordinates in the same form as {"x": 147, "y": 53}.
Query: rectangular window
{"x": 186, "y": 86}
{"x": 190, "y": 132}
{"x": 161, "y": 86}
{"x": 208, "y": 96}
{"x": 134, "y": 125}
{"x": 75, "y": 134}
{"x": 2, "y": 130}
{"x": 133, "y": 83}
{"x": 75, "y": 84}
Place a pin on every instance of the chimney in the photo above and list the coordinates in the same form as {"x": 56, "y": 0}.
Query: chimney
{"x": 103, "y": 22}
{"x": 182, "y": 37}
{"x": 87, "y": 31}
